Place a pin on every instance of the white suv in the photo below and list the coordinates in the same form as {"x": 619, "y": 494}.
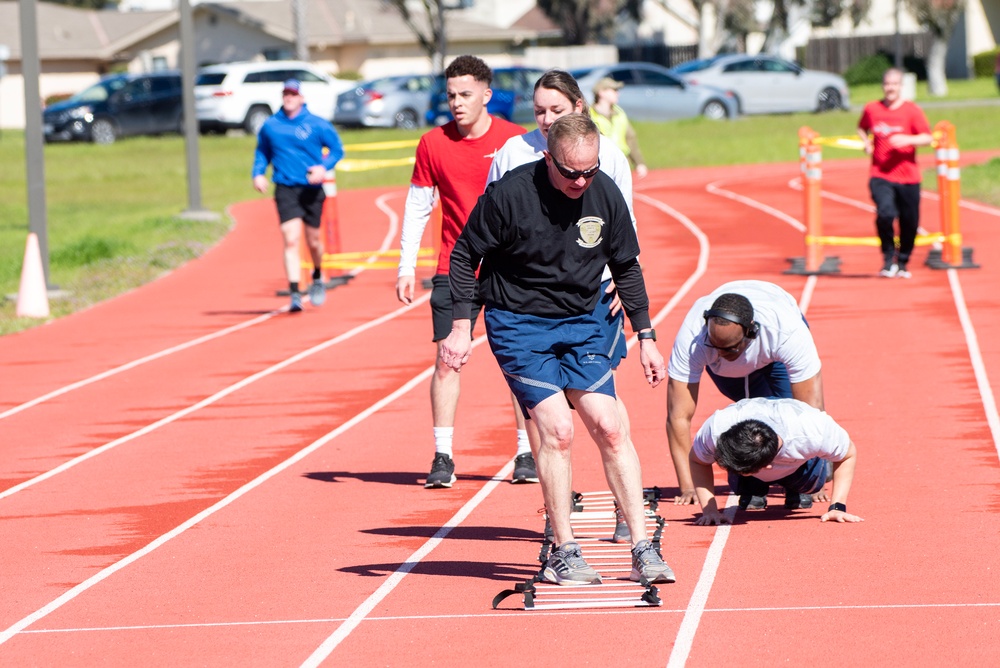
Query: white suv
{"x": 244, "y": 95}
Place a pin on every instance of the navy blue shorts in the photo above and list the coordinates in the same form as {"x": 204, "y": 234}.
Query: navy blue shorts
{"x": 807, "y": 479}
{"x": 613, "y": 326}
{"x": 542, "y": 356}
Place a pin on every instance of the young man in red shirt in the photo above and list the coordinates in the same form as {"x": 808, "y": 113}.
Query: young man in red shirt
{"x": 892, "y": 129}
{"x": 454, "y": 160}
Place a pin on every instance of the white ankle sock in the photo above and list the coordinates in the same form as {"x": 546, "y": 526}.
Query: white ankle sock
{"x": 523, "y": 447}
{"x": 442, "y": 439}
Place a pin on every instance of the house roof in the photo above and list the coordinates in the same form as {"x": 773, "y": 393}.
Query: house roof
{"x": 71, "y": 33}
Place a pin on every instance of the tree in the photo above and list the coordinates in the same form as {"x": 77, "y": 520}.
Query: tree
{"x": 429, "y": 29}
{"x": 589, "y": 21}
{"x": 940, "y": 18}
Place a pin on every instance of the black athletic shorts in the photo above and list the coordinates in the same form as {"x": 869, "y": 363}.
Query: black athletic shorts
{"x": 441, "y": 307}
{"x": 305, "y": 202}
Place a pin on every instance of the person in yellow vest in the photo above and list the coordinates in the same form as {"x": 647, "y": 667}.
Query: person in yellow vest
{"x": 613, "y": 123}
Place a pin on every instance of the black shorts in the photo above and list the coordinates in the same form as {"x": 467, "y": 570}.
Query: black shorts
{"x": 441, "y": 307}
{"x": 305, "y": 202}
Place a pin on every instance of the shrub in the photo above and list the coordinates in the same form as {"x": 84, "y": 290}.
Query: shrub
{"x": 984, "y": 64}
{"x": 867, "y": 70}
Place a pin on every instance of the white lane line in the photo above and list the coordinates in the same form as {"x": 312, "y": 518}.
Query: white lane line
{"x": 380, "y": 202}
{"x": 703, "y": 252}
{"x": 99, "y": 577}
{"x": 716, "y": 189}
{"x": 184, "y": 412}
{"x": 361, "y": 613}
{"x": 505, "y": 614}
{"x": 139, "y": 362}
{"x": 976, "y": 357}
{"x": 386, "y": 242}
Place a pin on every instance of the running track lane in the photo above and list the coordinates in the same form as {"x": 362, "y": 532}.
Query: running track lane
{"x": 496, "y": 546}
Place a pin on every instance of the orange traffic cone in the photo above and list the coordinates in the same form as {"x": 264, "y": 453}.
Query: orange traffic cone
{"x": 32, "y": 296}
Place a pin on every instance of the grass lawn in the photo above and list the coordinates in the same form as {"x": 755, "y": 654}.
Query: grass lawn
{"x": 112, "y": 219}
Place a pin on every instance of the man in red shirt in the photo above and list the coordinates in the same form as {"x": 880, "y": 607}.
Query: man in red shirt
{"x": 892, "y": 129}
{"x": 454, "y": 160}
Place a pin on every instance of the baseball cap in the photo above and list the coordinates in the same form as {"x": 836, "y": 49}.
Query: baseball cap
{"x": 606, "y": 83}
{"x": 292, "y": 86}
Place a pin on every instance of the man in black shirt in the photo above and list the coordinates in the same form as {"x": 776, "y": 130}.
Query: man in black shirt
{"x": 544, "y": 233}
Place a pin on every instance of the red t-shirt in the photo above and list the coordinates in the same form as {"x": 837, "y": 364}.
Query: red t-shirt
{"x": 896, "y": 165}
{"x": 458, "y": 168}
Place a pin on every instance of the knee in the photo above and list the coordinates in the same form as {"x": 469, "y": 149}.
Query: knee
{"x": 611, "y": 432}
{"x": 559, "y": 434}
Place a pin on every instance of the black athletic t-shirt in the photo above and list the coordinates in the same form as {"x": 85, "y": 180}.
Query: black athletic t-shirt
{"x": 543, "y": 253}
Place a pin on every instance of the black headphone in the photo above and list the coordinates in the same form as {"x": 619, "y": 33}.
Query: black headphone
{"x": 750, "y": 332}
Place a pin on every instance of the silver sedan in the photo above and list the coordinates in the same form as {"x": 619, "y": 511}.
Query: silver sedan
{"x": 766, "y": 84}
{"x": 652, "y": 93}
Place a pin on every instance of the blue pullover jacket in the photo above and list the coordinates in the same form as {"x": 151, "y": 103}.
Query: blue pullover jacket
{"x": 293, "y": 145}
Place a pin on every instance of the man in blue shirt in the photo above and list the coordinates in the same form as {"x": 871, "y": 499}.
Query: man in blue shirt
{"x": 293, "y": 141}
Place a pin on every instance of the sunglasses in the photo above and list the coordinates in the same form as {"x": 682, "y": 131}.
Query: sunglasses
{"x": 731, "y": 349}
{"x": 573, "y": 175}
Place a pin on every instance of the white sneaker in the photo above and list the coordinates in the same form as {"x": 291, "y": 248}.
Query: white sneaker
{"x": 890, "y": 271}
{"x": 903, "y": 273}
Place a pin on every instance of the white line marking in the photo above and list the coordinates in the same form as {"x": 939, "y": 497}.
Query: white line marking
{"x": 506, "y": 613}
{"x": 715, "y": 189}
{"x": 65, "y": 466}
{"x": 696, "y": 606}
{"x": 133, "y": 364}
{"x": 99, "y": 577}
{"x": 361, "y": 612}
{"x": 386, "y": 242}
{"x": 976, "y": 357}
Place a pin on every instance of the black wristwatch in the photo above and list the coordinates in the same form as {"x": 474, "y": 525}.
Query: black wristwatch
{"x": 842, "y": 507}
{"x": 651, "y": 334}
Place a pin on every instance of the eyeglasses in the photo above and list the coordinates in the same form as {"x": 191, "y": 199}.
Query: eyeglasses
{"x": 733, "y": 350}
{"x": 573, "y": 175}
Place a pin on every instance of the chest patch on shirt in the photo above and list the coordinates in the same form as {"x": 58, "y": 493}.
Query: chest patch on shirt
{"x": 590, "y": 231}
{"x": 303, "y": 132}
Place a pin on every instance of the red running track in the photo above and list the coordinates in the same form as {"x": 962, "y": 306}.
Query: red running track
{"x": 192, "y": 476}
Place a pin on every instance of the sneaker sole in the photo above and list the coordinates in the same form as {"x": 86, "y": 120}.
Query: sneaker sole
{"x": 522, "y": 480}
{"x": 553, "y": 577}
{"x": 668, "y": 578}
{"x": 434, "y": 485}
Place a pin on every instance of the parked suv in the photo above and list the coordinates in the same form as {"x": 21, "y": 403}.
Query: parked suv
{"x": 117, "y": 106}
{"x": 244, "y": 95}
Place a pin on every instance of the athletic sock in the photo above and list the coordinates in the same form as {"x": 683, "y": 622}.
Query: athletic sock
{"x": 293, "y": 286}
{"x": 442, "y": 439}
{"x": 523, "y": 447}
{"x": 317, "y": 274}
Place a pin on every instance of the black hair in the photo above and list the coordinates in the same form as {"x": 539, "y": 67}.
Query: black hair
{"x": 746, "y": 447}
{"x": 738, "y": 305}
{"x": 469, "y": 65}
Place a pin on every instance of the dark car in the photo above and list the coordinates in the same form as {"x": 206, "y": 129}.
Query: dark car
{"x": 513, "y": 96}
{"x": 118, "y": 106}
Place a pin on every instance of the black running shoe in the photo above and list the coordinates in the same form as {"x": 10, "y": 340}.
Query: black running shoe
{"x": 442, "y": 472}
{"x": 524, "y": 469}
{"x": 794, "y": 500}
{"x": 752, "y": 502}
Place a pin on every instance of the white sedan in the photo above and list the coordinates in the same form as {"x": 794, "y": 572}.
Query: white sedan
{"x": 766, "y": 84}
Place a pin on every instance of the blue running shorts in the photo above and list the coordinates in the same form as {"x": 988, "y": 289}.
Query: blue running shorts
{"x": 613, "y": 326}
{"x": 542, "y": 356}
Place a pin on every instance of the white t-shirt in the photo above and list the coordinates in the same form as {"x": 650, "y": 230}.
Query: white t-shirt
{"x": 783, "y": 337}
{"x": 805, "y": 432}
{"x": 528, "y": 147}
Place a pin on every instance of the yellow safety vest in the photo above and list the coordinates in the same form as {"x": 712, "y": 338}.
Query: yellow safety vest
{"x": 615, "y": 128}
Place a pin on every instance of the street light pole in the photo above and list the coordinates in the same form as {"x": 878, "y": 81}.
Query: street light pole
{"x": 34, "y": 155}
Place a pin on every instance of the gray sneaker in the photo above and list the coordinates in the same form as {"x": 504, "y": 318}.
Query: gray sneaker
{"x": 442, "y": 472}
{"x": 621, "y": 534}
{"x": 567, "y": 567}
{"x": 317, "y": 292}
{"x": 647, "y": 564}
